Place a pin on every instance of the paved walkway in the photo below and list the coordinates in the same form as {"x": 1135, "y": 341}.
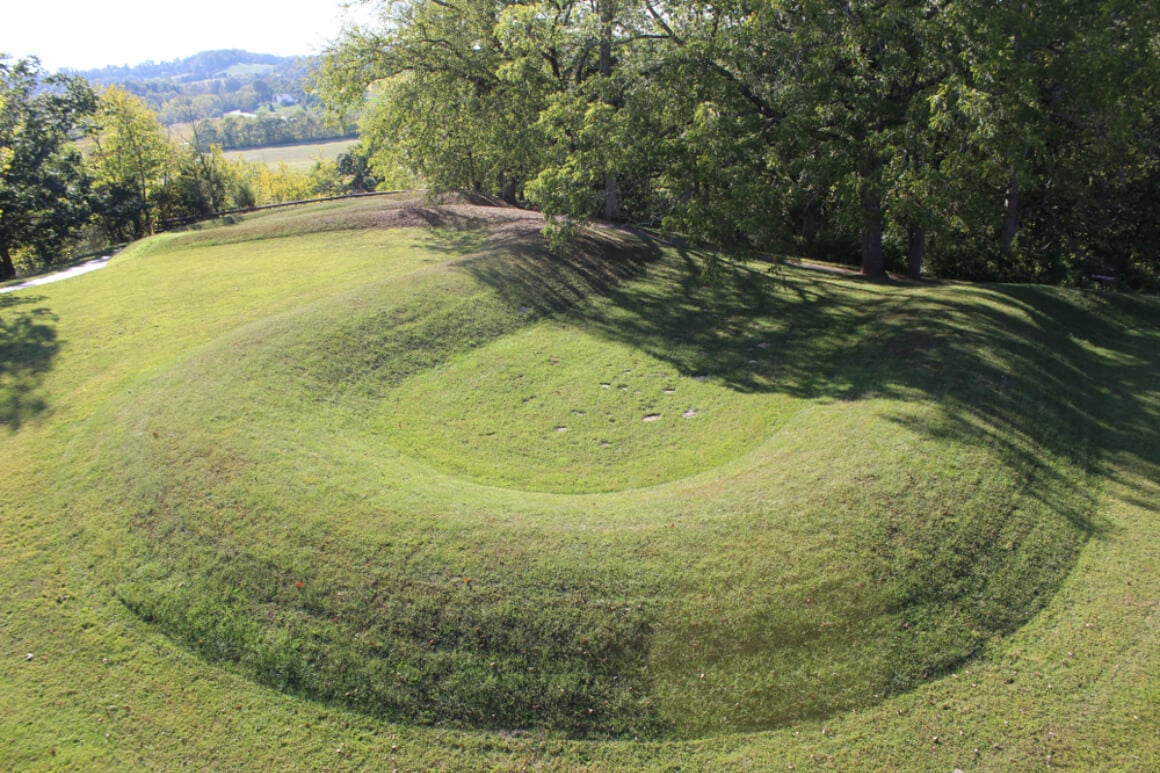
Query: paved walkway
{"x": 83, "y": 268}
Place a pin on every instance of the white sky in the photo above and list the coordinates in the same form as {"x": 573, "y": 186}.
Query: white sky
{"x": 89, "y": 34}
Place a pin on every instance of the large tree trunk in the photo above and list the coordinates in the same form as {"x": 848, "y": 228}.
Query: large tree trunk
{"x": 612, "y": 209}
{"x": 873, "y": 258}
{"x": 507, "y": 189}
{"x": 809, "y": 226}
{"x": 606, "y": 17}
{"x": 915, "y": 250}
{"x": 1010, "y": 217}
{"x": 146, "y": 208}
{"x": 7, "y": 270}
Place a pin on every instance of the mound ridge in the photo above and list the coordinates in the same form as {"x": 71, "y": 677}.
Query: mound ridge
{"x": 863, "y": 497}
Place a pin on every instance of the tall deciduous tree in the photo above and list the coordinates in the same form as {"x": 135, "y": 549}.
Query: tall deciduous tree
{"x": 43, "y": 186}
{"x": 131, "y": 161}
{"x": 833, "y": 90}
{"x": 442, "y": 105}
{"x": 600, "y": 123}
{"x": 1050, "y": 113}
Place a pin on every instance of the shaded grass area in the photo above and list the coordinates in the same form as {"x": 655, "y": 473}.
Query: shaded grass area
{"x": 966, "y": 542}
{"x": 434, "y": 651}
{"x": 928, "y": 481}
{"x": 28, "y": 348}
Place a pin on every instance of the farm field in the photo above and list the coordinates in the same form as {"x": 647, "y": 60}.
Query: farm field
{"x": 385, "y": 483}
{"x": 296, "y": 157}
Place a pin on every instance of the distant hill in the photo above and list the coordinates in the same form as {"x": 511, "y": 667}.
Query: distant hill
{"x": 207, "y": 65}
{"x": 212, "y": 84}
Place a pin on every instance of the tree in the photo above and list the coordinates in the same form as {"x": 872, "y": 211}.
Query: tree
{"x": 444, "y": 104}
{"x": 201, "y": 185}
{"x": 131, "y": 161}
{"x": 499, "y": 95}
{"x": 832, "y": 90}
{"x": 1051, "y": 120}
{"x": 44, "y": 193}
{"x": 355, "y": 171}
{"x": 602, "y": 124}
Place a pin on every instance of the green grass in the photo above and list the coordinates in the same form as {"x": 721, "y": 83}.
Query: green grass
{"x": 296, "y": 157}
{"x": 553, "y": 409}
{"x": 312, "y": 492}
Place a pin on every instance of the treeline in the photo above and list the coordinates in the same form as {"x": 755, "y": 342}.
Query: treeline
{"x": 202, "y": 66}
{"x": 271, "y": 128}
{"x": 81, "y": 169}
{"x": 965, "y": 138}
{"x": 178, "y": 103}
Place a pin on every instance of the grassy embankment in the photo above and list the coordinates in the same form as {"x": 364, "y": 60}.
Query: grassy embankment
{"x": 311, "y": 491}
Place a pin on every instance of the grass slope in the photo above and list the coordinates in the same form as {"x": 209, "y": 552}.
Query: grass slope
{"x": 375, "y": 483}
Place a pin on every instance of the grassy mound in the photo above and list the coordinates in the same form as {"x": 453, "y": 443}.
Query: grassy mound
{"x": 400, "y": 459}
{"x": 501, "y": 489}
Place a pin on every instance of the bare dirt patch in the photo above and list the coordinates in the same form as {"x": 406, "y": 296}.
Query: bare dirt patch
{"x": 449, "y": 211}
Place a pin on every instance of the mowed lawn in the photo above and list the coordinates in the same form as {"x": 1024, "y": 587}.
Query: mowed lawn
{"x": 299, "y": 157}
{"x": 386, "y": 484}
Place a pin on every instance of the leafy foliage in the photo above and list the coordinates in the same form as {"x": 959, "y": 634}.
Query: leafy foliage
{"x": 131, "y": 163}
{"x": 44, "y": 192}
{"x": 976, "y": 139}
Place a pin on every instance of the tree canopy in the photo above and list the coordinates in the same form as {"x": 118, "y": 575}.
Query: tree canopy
{"x": 131, "y": 161}
{"x": 983, "y": 140}
{"x": 43, "y": 188}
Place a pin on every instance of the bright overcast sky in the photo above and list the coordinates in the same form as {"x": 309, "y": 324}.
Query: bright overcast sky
{"x": 89, "y": 34}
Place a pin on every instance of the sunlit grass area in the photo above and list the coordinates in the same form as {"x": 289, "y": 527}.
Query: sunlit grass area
{"x": 388, "y": 483}
{"x": 299, "y": 157}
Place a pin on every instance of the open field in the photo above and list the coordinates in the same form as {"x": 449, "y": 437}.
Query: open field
{"x": 296, "y": 157}
{"x": 385, "y": 484}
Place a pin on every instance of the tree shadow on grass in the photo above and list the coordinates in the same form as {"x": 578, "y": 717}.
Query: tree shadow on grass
{"x": 1131, "y": 398}
{"x": 1028, "y": 370}
{"x": 28, "y": 347}
{"x": 525, "y": 274}
{"x": 1031, "y": 370}
{"x": 1050, "y": 383}
{"x": 1004, "y": 367}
